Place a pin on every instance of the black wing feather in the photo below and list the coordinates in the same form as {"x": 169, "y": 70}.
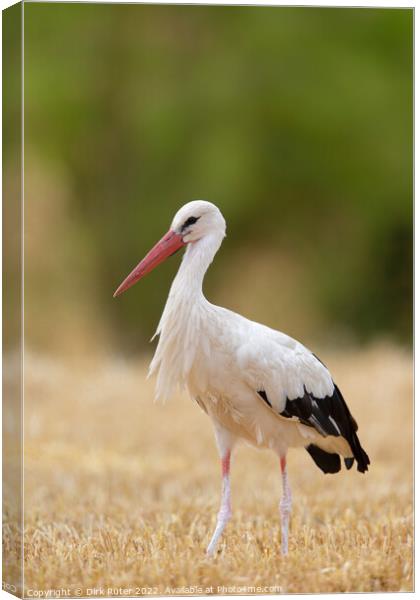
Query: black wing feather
{"x": 329, "y": 416}
{"x": 326, "y": 461}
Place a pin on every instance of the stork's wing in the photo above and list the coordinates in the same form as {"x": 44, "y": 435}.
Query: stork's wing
{"x": 329, "y": 416}
{"x": 296, "y": 385}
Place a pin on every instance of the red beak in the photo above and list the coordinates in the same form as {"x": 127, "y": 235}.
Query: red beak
{"x": 169, "y": 244}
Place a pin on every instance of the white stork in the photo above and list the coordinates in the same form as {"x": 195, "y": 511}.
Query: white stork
{"x": 255, "y": 383}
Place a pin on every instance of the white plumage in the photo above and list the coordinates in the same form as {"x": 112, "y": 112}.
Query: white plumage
{"x": 255, "y": 383}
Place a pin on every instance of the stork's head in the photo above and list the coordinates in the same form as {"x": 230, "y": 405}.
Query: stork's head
{"x": 194, "y": 221}
{"x": 197, "y": 219}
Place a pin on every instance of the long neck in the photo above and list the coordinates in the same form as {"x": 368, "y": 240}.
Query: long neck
{"x": 181, "y": 319}
{"x": 188, "y": 283}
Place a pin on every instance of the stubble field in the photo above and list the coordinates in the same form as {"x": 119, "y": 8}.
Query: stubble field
{"x": 121, "y": 492}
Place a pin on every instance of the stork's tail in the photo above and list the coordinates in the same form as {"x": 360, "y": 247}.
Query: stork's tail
{"x": 329, "y": 462}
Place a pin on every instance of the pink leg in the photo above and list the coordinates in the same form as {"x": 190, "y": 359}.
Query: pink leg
{"x": 225, "y": 507}
{"x": 285, "y": 507}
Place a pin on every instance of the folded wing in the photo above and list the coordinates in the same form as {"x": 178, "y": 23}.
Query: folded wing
{"x": 296, "y": 385}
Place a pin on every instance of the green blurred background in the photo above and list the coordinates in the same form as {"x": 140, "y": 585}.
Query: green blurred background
{"x": 296, "y": 122}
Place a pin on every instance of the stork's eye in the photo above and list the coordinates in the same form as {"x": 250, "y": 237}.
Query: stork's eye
{"x": 190, "y": 221}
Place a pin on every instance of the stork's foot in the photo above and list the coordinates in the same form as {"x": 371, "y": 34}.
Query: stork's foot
{"x": 222, "y": 520}
{"x": 225, "y": 511}
{"x": 285, "y": 508}
{"x": 285, "y": 515}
